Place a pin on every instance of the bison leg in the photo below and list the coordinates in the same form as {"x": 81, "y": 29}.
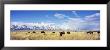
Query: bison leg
{"x": 60, "y": 34}
{"x": 87, "y": 33}
{"x": 91, "y": 32}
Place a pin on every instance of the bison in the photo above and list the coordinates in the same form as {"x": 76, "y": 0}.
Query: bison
{"x": 98, "y": 32}
{"x": 43, "y": 32}
{"x": 33, "y": 32}
{"x": 28, "y": 32}
{"x": 89, "y": 32}
{"x": 61, "y": 33}
{"x": 68, "y": 32}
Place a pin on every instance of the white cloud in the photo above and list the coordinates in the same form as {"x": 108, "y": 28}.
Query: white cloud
{"x": 76, "y": 15}
{"x": 75, "y": 23}
{"x": 60, "y": 16}
{"x": 92, "y": 17}
{"x": 87, "y": 23}
{"x": 76, "y": 19}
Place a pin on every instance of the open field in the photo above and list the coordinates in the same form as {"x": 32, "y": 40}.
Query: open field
{"x": 29, "y": 35}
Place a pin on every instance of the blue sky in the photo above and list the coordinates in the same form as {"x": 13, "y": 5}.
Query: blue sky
{"x": 72, "y": 18}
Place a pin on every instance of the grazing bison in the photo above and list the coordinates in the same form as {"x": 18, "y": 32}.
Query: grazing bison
{"x": 42, "y": 32}
{"x": 97, "y": 31}
{"x": 68, "y": 32}
{"x": 53, "y": 32}
{"x": 61, "y": 33}
{"x": 89, "y": 32}
{"x": 33, "y": 32}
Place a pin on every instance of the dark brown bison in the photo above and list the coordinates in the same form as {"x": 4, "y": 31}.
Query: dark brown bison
{"x": 68, "y": 32}
{"x": 97, "y": 32}
{"x": 89, "y": 32}
{"x": 33, "y": 32}
{"x": 61, "y": 33}
{"x": 43, "y": 32}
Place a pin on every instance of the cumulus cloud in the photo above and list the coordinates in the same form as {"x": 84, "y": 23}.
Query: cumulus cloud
{"x": 60, "y": 16}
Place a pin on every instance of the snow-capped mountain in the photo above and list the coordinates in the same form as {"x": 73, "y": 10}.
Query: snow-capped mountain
{"x": 34, "y": 26}
{"x": 47, "y": 26}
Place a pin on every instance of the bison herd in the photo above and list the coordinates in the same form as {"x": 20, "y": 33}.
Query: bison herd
{"x": 62, "y": 33}
{"x": 91, "y": 32}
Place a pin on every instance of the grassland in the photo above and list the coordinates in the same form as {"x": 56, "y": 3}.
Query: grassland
{"x": 24, "y": 35}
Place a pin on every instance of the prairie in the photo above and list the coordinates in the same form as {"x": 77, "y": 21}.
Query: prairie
{"x": 49, "y": 35}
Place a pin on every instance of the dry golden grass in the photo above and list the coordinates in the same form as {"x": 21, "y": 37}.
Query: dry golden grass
{"x": 24, "y": 35}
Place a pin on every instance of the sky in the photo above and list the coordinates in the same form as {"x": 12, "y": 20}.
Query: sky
{"x": 66, "y": 19}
